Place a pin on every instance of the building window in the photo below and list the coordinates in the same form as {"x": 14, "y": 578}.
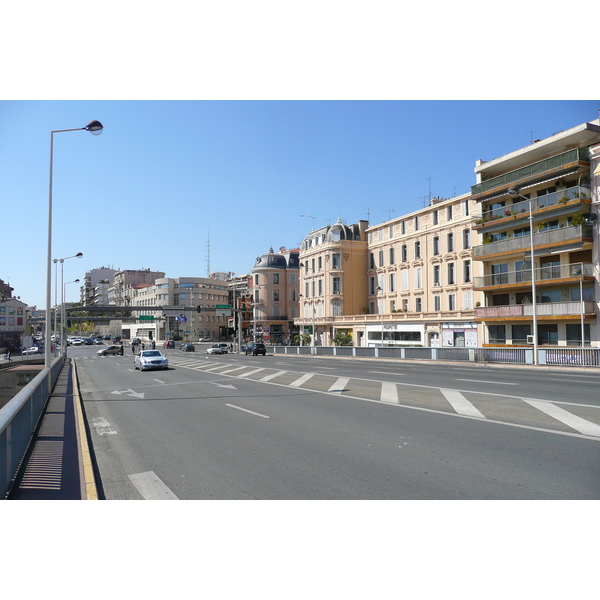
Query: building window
{"x": 404, "y": 253}
{"x": 392, "y": 282}
{"x": 336, "y": 309}
{"x": 574, "y": 334}
{"x": 465, "y": 208}
{"x": 468, "y": 300}
{"x": 436, "y": 245}
{"x": 371, "y": 285}
{"x": 320, "y": 287}
{"x": 466, "y": 239}
{"x": 371, "y": 260}
{"x": 418, "y": 304}
{"x": 337, "y": 286}
{"x": 497, "y": 334}
{"x": 437, "y": 302}
{"x": 336, "y": 263}
{"x": 276, "y": 278}
{"x": 256, "y": 279}
{"x": 449, "y": 213}
{"x": 436, "y": 275}
{"x": 391, "y": 232}
{"x": 451, "y": 274}
{"x": 275, "y": 295}
{"x": 404, "y": 280}
{"x": 418, "y": 278}
{"x": 466, "y": 271}
{"x": 381, "y": 260}
{"x": 403, "y": 227}
{"x": 451, "y": 302}
{"x": 435, "y": 217}
{"x": 392, "y": 256}
{"x": 417, "y": 249}
{"x": 320, "y": 263}
{"x": 417, "y": 223}
{"x": 450, "y": 242}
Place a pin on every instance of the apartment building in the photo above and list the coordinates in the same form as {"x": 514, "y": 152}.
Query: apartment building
{"x": 123, "y": 281}
{"x": 240, "y": 298}
{"x": 185, "y": 307}
{"x": 94, "y": 290}
{"x": 537, "y": 226}
{"x": 333, "y": 284}
{"x": 275, "y": 296}
{"x": 420, "y": 278}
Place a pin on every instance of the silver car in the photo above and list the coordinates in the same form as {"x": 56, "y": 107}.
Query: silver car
{"x": 110, "y": 350}
{"x": 150, "y": 359}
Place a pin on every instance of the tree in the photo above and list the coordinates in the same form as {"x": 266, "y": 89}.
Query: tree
{"x": 302, "y": 339}
{"x": 342, "y": 338}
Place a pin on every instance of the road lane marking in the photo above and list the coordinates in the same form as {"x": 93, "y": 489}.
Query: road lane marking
{"x": 250, "y": 372}
{"x": 339, "y": 385}
{"x": 484, "y": 381}
{"x": 560, "y": 414}
{"x": 272, "y": 376}
{"x": 159, "y": 381}
{"x": 232, "y": 370}
{"x": 102, "y": 426}
{"x": 387, "y": 373}
{"x": 389, "y": 392}
{"x": 248, "y": 411}
{"x": 301, "y": 380}
{"x": 460, "y": 404}
{"x": 151, "y": 487}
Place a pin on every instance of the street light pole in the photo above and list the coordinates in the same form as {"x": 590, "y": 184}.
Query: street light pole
{"x": 379, "y": 289}
{"x": 63, "y": 317}
{"x": 513, "y": 192}
{"x": 62, "y": 262}
{"x": 95, "y": 128}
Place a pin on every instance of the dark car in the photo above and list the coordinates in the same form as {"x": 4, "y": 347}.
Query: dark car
{"x": 188, "y": 347}
{"x": 169, "y": 344}
{"x": 255, "y": 349}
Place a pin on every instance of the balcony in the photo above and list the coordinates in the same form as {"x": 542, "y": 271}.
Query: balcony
{"x": 548, "y": 167}
{"x": 548, "y": 274}
{"x": 571, "y": 198}
{"x": 576, "y": 234}
{"x": 544, "y": 309}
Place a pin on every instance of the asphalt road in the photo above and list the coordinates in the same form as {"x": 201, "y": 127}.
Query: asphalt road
{"x": 277, "y": 427}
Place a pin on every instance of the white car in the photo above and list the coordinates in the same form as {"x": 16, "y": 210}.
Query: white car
{"x": 150, "y": 359}
{"x": 32, "y": 350}
{"x": 216, "y": 349}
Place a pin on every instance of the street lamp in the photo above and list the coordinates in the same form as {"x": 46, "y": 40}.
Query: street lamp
{"x": 95, "y": 128}
{"x": 380, "y": 289}
{"x": 62, "y": 263}
{"x": 314, "y": 333}
{"x": 63, "y": 318}
{"x": 514, "y": 192}
{"x": 310, "y": 217}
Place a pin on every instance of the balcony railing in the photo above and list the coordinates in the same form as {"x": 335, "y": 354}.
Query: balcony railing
{"x": 544, "y": 309}
{"x": 538, "y": 168}
{"x": 520, "y": 209}
{"x": 575, "y": 270}
{"x": 575, "y": 233}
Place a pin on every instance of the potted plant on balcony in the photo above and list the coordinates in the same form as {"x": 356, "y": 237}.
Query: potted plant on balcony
{"x": 564, "y": 200}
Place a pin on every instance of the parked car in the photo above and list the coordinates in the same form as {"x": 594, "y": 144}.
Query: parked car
{"x": 76, "y": 342}
{"x": 216, "y": 349}
{"x": 255, "y": 349}
{"x": 169, "y": 344}
{"x": 188, "y": 347}
{"x": 224, "y": 346}
{"x": 32, "y": 350}
{"x": 206, "y": 339}
{"x": 110, "y": 350}
{"x": 150, "y": 359}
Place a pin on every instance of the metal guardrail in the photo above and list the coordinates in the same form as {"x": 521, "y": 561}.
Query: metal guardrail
{"x": 507, "y": 355}
{"x": 19, "y": 419}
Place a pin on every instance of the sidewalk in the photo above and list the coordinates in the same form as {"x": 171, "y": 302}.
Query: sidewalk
{"x": 58, "y": 465}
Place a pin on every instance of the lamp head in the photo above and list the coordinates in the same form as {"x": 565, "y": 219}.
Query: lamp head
{"x": 512, "y": 192}
{"x": 79, "y": 255}
{"x": 94, "y": 127}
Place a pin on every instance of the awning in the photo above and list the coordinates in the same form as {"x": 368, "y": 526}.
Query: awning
{"x": 561, "y": 176}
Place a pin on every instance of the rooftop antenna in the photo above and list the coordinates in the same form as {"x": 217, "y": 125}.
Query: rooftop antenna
{"x": 530, "y": 132}
{"x": 429, "y": 179}
{"x": 424, "y": 198}
{"x": 389, "y": 212}
{"x": 311, "y": 217}
{"x": 368, "y": 214}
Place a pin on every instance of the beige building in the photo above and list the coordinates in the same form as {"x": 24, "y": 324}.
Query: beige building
{"x": 420, "y": 278}
{"x": 275, "y": 296}
{"x": 333, "y": 284}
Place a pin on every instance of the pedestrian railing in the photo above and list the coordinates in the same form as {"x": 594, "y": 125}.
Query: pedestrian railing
{"x": 19, "y": 419}
{"x": 507, "y": 355}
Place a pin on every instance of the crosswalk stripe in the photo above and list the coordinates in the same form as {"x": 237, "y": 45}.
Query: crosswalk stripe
{"x": 460, "y": 404}
{"x": 560, "y": 414}
{"x": 301, "y": 380}
{"x": 250, "y": 372}
{"x": 339, "y": 385}
{"x": 272, "y": 376}
{"x": 232, "y": 370}
{"x": 389, "y": 392}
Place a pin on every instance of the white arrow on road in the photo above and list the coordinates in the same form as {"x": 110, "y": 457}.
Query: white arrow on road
{"x": 229, "y": 386}
{"x": 129, "y": 393}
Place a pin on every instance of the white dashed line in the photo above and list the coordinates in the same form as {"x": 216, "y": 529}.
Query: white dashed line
{"x": 151, "y": 487}
{"x": 460, "y": 404}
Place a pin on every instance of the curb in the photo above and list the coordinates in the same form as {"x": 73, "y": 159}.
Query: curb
{"x": 89, "y": 488}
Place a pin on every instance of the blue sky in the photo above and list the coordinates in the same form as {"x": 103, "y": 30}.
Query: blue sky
{"x": 165, "y": 177}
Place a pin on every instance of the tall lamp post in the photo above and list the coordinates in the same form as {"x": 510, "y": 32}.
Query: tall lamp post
{"x": 380, "y": 290}
{"x": 95, "y": 128}
{"x": 62, "y": 265}
{"x": 513, "y": 193}
{"x": 314, "y": 333}
{"x": 63, "y": 318}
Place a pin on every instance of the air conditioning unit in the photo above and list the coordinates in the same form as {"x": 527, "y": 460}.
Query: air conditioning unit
{"x": 530, "y": 339}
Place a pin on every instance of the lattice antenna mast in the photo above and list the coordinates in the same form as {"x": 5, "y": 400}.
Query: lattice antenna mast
{"x": 208, "y": 255}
